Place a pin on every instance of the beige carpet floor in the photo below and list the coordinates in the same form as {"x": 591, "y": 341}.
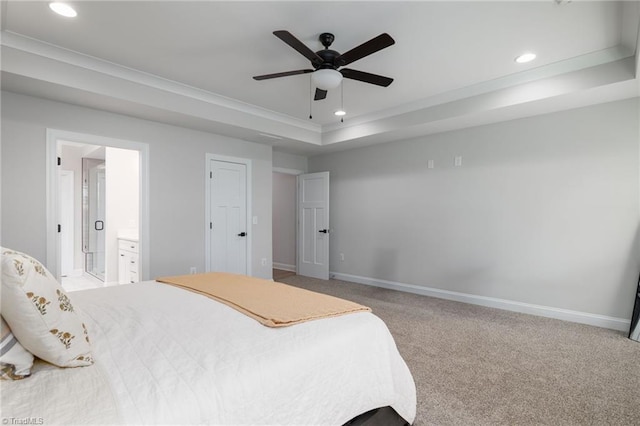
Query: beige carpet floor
{"x": 279, "y": 274}
{"x": 480, "y": 366}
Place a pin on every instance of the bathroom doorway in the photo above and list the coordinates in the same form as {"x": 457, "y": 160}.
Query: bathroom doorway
{"x": 105, "y": 204}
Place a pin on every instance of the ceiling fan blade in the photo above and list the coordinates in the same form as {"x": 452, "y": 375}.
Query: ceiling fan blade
{"x": 281, "y": 74}
{"x": 302, "y": 48}
{"x": 366, "y": 77}
{"x": 365, "y": 49}
{"x": 320, "y": 94}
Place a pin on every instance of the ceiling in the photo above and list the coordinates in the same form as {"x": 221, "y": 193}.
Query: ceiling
{"x": 191, "y": 63}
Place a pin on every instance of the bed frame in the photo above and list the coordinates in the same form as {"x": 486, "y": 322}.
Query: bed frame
{"x": 384, "y": 416}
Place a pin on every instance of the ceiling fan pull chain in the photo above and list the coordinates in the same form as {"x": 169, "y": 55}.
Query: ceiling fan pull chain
{"x": 310, "y": 103}
{"x": 342, "y": 100}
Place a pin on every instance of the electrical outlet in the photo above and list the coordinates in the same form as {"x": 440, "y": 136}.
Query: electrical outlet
{"x": 458, "y": 161}
{"x": 430, "y": 164}
{"x": 264, "y": 261}
{"x": 193, "y": 270}
{"x": 342, "y": 257}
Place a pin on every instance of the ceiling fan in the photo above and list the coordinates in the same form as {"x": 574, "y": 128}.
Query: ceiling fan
{"x": 326, "y": 62}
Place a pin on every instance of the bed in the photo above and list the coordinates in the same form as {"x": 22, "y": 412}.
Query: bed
{"x": 165, "y": 355}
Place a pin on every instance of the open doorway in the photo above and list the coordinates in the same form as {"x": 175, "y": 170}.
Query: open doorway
{"x": 284, "y": 224}
{"x": 97, "y": 210}
{"x": 300, "y": 226}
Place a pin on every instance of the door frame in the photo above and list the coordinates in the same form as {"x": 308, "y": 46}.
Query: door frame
{"x": 207, "y": 207}
{"x": 52, "y": 236}
{"x": 67, "y": 216}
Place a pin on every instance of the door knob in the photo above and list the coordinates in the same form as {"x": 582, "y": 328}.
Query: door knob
{"x": 242, "y": 234}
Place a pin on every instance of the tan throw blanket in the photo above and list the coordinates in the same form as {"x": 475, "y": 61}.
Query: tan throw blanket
{"x": 271, "y": 303}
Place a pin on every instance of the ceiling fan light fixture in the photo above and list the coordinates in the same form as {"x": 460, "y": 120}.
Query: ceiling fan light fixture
{"x": 326, "y": 79}
{"x": 63, "y": 9}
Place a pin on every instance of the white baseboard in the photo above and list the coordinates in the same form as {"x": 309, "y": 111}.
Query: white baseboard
{"x": 604, "y": 321}
{"x": 284, "y": 267}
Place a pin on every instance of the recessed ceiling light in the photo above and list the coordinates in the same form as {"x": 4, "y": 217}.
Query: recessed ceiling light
{"x": 63, "y": 9}
{"x": 340, "y": 113}
{"x": 525, "y": 57}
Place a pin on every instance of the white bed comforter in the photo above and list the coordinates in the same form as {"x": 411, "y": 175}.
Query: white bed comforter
{"x": 166, "y": 355}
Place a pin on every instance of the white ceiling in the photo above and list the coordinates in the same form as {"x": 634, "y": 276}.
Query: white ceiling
{"x": 452, "y": 64}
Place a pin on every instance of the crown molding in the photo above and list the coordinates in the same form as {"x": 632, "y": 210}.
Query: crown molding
{"x": 540, "y": 73}
{"x": 91, "y": 63}
{"x": 94, "y": 81}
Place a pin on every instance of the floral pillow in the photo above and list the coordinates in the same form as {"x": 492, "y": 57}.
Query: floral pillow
{"x": 15, "y": 361}
{"x": 40, "y": 313}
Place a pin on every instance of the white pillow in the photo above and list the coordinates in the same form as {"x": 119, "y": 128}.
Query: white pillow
{"x": 40, "y": 313}
{"x": 15, "y": 361}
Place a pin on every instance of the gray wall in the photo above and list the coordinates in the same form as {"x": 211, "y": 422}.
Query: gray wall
{"x": 284, "y": 220}
{"x": 284, "y": 160}
{"x": 177, "y": 180}
{"x": 543, "y": 210}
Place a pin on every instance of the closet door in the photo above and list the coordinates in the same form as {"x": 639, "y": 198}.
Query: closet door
{"x": 228, "y": 217}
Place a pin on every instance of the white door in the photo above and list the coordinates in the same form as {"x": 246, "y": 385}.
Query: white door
{"x": 313, "y": 225}
{"x": 66, "y": 197}
{"x": 228, "y": 217}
